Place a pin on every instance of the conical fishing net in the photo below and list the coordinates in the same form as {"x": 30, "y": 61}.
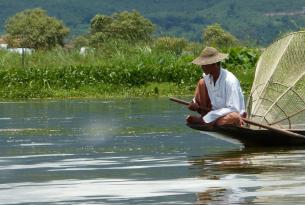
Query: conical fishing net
{"x": 278, "y": 92}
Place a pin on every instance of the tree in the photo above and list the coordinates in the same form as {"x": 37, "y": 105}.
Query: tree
{"x": 129, "y": 26}
{"x": 215, "y": 36}
{"x": 100, "y": 23}
{"x": 80, "y": 41}
{"x": 33, "y": 28}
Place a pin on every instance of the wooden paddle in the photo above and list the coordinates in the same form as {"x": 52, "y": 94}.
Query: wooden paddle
{"x": 274, "y": 129}
{"x": 187, "y": 103}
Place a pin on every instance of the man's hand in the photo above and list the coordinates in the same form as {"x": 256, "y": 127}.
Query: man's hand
{"x": 244, "y": 115}
{"x": 193, "y": 106}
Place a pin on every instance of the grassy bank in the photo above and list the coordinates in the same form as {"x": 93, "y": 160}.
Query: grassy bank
{"x": 99, "y": 91}
{"x": 117, "y": 69}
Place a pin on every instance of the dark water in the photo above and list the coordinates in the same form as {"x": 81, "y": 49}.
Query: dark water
{"x": 135, "y": 151}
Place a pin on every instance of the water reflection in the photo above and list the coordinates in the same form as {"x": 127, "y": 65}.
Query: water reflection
{"x": 135, "y": 151}
{"x": 253, "y": 176}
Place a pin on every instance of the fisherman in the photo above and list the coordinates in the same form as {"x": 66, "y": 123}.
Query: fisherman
{"x": 218, "y": 96}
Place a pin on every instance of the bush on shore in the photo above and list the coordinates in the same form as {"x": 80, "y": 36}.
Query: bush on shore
{"x": 117, "y": 65}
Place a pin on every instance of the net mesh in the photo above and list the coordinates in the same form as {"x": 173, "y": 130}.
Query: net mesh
{"x": 278, "y": 92}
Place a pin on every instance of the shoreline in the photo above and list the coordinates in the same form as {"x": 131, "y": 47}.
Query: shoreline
{"x": 99, "y": 92}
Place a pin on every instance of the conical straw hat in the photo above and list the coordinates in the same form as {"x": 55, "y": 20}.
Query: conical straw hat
{"x": 210, "y": 55}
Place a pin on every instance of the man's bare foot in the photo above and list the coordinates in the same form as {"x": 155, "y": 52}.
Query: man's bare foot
{"x": 191, "y": 119}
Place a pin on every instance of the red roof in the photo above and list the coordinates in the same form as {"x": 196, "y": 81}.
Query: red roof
{"x": 2, "y": 41}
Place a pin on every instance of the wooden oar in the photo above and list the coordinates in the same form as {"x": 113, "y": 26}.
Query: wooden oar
{"x": 187, "y": 103}
{"x": 278, "y": 130}
{"x": 274, "y": 129}
{"x": 179, "y": 101}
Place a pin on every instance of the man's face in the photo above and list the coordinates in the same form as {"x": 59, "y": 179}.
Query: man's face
{"x": 207, "y": 69}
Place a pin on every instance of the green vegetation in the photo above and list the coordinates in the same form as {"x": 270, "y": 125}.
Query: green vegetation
{"x": 35, "y": 29}
{"x": 123, "y": 59}
{"x": 117, "y": 69}
{"x": 128, "y": 26}
{"x": 172, "y": 44}
{"x": 256, "y": 22}
{"x": 216, "y": 37}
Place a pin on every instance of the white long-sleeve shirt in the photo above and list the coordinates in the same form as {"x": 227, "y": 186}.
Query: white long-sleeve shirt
{"x": 226, "y": 95}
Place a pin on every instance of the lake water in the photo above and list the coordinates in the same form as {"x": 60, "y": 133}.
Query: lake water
{"x": 133, "y": 151}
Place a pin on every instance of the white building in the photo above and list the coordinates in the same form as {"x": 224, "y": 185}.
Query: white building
{"x": 21, "y": 50}
{"x": 3, "y": 46}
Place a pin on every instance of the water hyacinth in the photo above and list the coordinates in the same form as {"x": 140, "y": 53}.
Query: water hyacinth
{"x": 121, "y": 65}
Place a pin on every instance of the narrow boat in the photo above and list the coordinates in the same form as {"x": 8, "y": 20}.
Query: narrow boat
{"x": 252, "y": 137}
{"x": 276, "y": 104}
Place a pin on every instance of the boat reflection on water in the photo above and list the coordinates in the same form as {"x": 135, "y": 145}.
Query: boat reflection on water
{"x": 252, "y": 176}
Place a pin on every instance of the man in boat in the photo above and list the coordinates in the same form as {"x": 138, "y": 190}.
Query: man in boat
{"x": 218, "y": 97}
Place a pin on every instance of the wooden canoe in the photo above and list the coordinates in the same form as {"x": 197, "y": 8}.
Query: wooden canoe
{"x": 252, "y": 137}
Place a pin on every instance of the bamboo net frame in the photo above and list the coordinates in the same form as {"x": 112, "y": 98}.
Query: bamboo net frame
{"x": 278, "y": 92}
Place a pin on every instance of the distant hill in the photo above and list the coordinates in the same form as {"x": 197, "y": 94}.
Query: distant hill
{"x": 258, "y": 22}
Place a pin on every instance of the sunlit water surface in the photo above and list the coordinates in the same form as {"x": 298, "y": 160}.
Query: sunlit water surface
{"x": 133, "y": 151}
